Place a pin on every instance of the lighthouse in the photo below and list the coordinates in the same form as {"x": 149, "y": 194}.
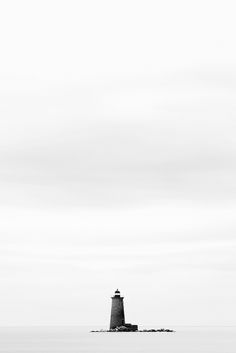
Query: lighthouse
{"x": 117, "y": 311}
{"x": 118, "y": 314}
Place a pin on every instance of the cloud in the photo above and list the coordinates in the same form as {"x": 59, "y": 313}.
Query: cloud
{"x": 127, "y": 142}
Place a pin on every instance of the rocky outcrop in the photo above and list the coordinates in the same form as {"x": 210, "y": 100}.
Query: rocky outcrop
{"x": 127, "y": 329}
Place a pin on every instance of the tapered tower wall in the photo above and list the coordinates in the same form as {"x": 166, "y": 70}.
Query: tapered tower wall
{"x": 117, "y": 311}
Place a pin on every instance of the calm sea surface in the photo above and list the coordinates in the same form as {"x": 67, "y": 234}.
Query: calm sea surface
{"x": 79, "y": 339}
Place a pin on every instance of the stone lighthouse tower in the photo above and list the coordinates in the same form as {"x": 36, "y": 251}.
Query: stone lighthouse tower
{"x": 117, "y": 311}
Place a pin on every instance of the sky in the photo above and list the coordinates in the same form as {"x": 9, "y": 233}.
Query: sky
{"x": 117, "y": 155}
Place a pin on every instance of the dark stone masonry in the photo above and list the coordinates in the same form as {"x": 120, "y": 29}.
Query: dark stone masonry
{"x": 118, "y": 314}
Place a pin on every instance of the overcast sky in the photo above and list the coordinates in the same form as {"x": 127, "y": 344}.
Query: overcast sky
{"x": 117, "y": 155}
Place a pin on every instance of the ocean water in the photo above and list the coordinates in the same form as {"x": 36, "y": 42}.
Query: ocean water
{"x": 79, "y": 339}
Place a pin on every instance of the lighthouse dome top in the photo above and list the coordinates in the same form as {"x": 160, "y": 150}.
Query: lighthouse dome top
{"x": 117, "y": 294}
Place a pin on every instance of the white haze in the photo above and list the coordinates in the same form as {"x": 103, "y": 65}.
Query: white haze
{"x": 117, "y": 152}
